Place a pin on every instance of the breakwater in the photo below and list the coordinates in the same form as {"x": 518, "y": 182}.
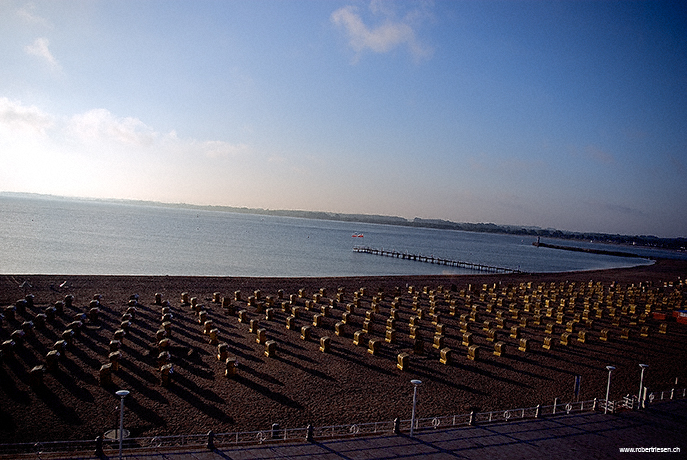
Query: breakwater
{"x": 588, "y": 250}
{"x": 435, "y": 260}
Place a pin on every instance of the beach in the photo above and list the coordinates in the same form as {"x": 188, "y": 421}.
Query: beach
{"x": 298, "y": 384}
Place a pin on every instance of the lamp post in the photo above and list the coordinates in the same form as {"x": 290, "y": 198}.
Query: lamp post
{"x": 415, "y": 383}
{"x": 640, "y": 404}
{"x": 122, "y": 394}
{"x": 608, "y": 387}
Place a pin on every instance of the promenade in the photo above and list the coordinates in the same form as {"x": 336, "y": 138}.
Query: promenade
{"x": 582, "y": 436}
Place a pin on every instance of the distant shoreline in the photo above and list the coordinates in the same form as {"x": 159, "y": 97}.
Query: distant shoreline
{"x": 646, "y": 241}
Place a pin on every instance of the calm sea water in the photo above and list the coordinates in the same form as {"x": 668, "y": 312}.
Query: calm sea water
{"x": 61, "y": 236}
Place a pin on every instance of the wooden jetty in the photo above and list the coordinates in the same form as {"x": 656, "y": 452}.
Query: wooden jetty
{"x": 434, "y": 260}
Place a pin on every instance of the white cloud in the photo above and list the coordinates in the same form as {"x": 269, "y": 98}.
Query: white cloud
{"x": 102, "y": 128}
{"x": 100, "y": 125}
{"x": 16, "y": 116}
{"x": 390, "y": 34}
{"x": 97, "y": 153}
{"x": 40, "y": 49}
{"x": 98, "y": 130}
{"x": 28, "y": 16}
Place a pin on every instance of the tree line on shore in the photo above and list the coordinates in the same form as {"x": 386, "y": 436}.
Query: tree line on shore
{"x": 676, "y": 244}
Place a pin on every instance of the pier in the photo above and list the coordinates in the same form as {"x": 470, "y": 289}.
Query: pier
{"x": 435, "y": 260}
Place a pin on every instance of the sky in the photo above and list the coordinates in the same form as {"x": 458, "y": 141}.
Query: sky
{"x": 557, "y": 114}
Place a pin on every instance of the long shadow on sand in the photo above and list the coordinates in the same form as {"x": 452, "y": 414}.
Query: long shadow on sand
{"x": 9, "y": 387}
{"x": 6, "y": 421}
{"x": 189, "y": 329}
{"x": 509, "y": 367}
{"x": 345, "y": 353}
{"x": 144, "y": 321}
{"x": 234, "y": 346}
{"x": 273, "y": 395}
{"x": 136, "y": 385}
{"x": 262, "y": 376}
{"x": 138, "y": 338}
{"x": 181, "y": 380}
{"x": 143, "y": 412}
{"x": 430, "y": 375}
{"x": 287, "y": 348}
{"x": 48, "y": 333}
{"x": 67, "y": 414}
{"x": 73, "y": 379}
{"x": 186, "y": 390}
{"x": 90, "y": 340}
{"x": 194, "y": 363}
{"x": 538, "y": 363}
{"x": 492, "y": 375}
{"x": 136, "y": 369}
{"x": 293, "y": 363}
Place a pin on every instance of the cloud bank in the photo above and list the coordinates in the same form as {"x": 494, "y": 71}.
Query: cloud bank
{"x": 17, "y": 117}
{"x": 100, "y": 125}
{"x": 105, "y": 155}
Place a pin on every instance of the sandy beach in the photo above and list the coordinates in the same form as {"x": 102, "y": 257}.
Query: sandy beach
{"x": 299, "y": 384}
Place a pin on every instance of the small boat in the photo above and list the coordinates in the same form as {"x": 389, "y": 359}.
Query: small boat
{"x": 357, "y": 235}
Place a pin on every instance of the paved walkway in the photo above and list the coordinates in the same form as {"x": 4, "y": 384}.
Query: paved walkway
{"x": 582, "y": 436}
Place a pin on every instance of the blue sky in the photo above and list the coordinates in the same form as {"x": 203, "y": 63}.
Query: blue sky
{"x": 571, "y": 115}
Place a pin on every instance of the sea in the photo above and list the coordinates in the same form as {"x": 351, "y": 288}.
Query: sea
{"x": 51, "y": 235}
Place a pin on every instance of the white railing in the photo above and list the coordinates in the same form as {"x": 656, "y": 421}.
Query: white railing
{"x": 503, "y": 415}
